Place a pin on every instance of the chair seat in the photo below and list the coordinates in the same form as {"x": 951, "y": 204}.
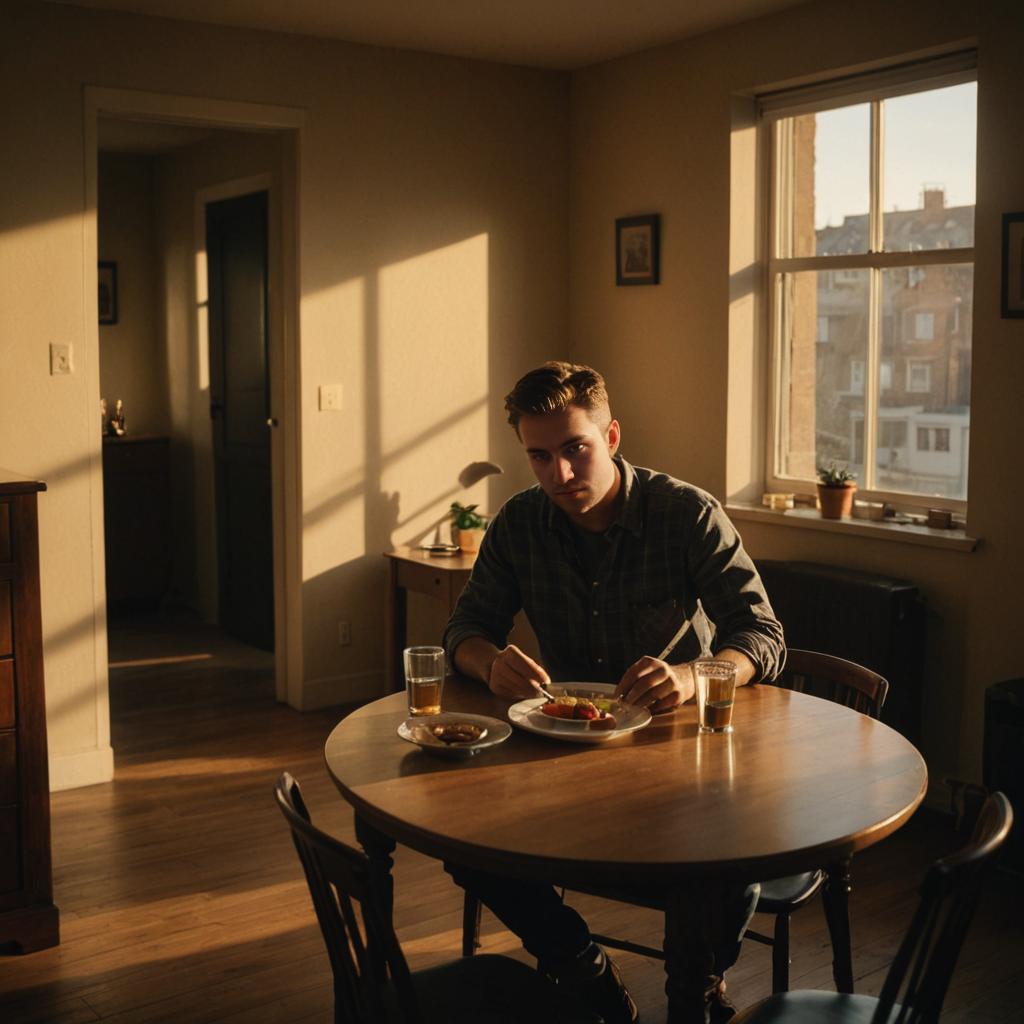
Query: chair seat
{"x": 810, "y": 1008}
{"x": 510, "y": 992}
{"x": 784, "y": 895}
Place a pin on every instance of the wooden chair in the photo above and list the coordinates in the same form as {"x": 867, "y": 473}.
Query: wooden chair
{"x": 820, "y": 675}
{"x": 372, "y": 981}
{"x": 918, "y": 978}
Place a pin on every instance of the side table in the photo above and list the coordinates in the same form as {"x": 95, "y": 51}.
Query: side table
{"x": 442, "y": 576}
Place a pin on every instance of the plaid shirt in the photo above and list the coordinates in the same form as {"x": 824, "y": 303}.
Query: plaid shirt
{"x": 673, "y": 556}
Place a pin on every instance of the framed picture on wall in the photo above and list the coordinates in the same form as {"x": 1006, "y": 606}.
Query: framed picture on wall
{"x": 108, "y": 292}
{"x": 636, "y": 249}
{"x": 1013, "y": 265}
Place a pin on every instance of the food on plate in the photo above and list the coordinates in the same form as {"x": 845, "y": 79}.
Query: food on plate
{"x": 582, "y": 709}
{"x": 458, "y": 732}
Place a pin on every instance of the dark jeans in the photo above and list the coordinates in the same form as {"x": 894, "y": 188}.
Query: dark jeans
{"x": 704, "y": 925}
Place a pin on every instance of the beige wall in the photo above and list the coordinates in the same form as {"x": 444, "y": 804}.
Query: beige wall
{"x": 651, "y": 133}
{"x": 432, "y": 263}
{"x": 133, "y": 364}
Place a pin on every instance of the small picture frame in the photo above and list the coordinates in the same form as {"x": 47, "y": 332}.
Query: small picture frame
{"x": 636, "y": 249}
{"x": 107, "y": 292}
{"x": 1013, "y": 265}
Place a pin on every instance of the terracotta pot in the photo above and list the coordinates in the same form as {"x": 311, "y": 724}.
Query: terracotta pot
{"x": 469, "y": 540}
{"x": 836, "y": 502}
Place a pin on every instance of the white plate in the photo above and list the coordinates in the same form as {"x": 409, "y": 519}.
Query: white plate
{"x": 527, "y": 715}
{"x": 497, "y": 732}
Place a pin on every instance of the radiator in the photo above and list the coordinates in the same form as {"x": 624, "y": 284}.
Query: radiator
{"x": 876, "y": 621}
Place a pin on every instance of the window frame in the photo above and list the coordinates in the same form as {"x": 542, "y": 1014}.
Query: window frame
{"x": 872, "y": 88}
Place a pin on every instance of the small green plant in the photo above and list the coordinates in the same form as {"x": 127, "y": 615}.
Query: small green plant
{"x": 833, "y": 476}
{"x": 466, "y": 517}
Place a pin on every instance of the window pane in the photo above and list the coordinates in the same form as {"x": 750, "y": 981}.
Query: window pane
{"x": 929, "y": 173}
{"x": 926, "y": 337}
{"x": 824, "y": 181}
{"x": 821, "y": 412}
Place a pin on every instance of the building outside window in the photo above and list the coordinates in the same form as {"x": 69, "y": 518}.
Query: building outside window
{"x": 872, "y": 234}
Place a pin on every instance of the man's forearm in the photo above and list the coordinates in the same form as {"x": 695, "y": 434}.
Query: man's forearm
{"x": 474, "y": 657}
{"x": 745, "y": 668}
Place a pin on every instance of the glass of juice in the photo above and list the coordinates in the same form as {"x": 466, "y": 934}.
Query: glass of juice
{"x": 715, "y": 682}
{"x": 424, "y": 679}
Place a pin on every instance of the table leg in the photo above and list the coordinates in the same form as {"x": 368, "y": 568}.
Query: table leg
{"x": 836, "y": 897}
{"x": 689, "y": 959}
{"x": 378, "y": 848}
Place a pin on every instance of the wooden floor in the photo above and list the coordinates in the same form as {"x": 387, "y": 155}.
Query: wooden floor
{"x": 182, "y": 900}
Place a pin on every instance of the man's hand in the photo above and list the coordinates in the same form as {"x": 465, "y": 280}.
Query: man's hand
{"x": 514, "y": 675}
{"x": 654, "y": 684}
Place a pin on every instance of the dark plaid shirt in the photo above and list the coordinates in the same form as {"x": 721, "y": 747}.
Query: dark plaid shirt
{"x": 672, "y": 556}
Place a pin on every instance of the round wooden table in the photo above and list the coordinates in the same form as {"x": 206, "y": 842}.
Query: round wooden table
{"x": 801, "y": 784}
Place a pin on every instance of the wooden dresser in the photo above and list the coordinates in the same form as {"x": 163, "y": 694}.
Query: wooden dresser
{"x": 28, "y": 918}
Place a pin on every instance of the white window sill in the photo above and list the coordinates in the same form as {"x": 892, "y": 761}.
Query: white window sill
{"x": 810, "y": 519}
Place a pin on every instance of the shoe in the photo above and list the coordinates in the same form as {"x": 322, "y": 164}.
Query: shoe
{"x": 603, "y": 993}
{"x": 720, "y": 1007}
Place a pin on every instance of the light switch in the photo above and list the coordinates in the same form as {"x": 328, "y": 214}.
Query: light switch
{"x": 330, "y": 398}
{"x": 60, "y": 360}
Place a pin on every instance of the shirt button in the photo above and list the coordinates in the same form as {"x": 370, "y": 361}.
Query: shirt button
{"x": 596, "y": 583}
{"x": 600, "y": 661}
{"x": 596, "y": 612}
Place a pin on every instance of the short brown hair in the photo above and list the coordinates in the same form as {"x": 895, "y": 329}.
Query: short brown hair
{"x": 555, "y": 386}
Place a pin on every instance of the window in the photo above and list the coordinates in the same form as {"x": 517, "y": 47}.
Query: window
{"x": 867, "y": 250}
{"x": 942, "y": 439}
{"x": 923, "y": 439}
{"x": 924, "y": 326}
{"x": 919, "y": 375}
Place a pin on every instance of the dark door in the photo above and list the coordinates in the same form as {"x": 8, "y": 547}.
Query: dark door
{"x": 236, "y": 242}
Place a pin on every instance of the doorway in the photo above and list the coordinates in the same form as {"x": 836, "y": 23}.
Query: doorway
{"x": 189, "y": 374}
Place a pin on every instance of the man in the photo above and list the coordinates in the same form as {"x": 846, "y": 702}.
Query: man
{"x": 609, "y": 562}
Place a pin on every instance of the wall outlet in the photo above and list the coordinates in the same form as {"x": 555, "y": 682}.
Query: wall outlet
{"x": 330, "y": 398}
{"x": 60, "y": 360}
{"x": 344, "y": 634}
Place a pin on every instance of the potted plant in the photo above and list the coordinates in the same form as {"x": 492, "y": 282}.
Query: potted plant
{"x": 835, "y": 491}
{"x": 467, "y": 527}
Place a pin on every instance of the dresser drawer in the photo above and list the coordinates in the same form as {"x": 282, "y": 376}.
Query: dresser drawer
{"x": 8, "y": 767}
{"x": 6, "y": 554}
{"x": 6, "y": 629}
{"x": 6, "y": 694}
{"x": 10, "y": 875}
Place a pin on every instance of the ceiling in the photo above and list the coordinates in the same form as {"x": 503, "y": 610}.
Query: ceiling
{"x": 558, "y": 34}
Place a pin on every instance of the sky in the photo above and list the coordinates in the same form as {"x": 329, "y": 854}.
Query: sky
{"x": 930, "y": 139}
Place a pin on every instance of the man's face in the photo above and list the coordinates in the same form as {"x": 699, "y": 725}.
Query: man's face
{"x": 571, "y": 457}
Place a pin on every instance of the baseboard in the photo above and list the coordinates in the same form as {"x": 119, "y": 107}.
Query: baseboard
{"x": 83, "y": 768}
{"x": 329, "y": 691}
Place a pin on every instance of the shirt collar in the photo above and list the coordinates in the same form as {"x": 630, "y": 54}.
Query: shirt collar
{"x": 631, "y": 508}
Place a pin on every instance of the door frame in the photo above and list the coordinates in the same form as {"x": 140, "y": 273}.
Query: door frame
{"x": 285, "y": 395}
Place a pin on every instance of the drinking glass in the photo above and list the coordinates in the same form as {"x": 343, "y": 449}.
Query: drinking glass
{"x": 715, "y": 683}
{"x": 424, "y": 679}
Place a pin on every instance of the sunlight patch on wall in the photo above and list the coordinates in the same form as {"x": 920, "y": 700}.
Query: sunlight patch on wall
{"x": 433, "y": 361}
{"x": 334, "y": 442}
